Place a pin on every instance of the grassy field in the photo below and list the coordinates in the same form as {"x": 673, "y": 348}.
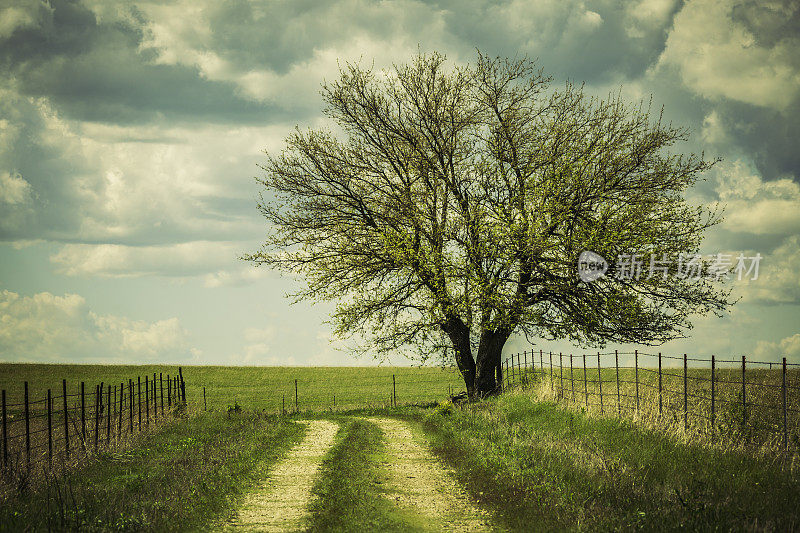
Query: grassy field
{"x": 190, "y": 474}
{"x": 758, "y": 421}
{"x": 542, "y": 466}
{"x": 250, "y": 387}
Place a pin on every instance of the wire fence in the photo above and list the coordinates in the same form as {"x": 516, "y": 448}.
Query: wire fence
{"x": 298, "y": 389}
{"x": 753, "y": 403}
{"x": 40, "y": 435}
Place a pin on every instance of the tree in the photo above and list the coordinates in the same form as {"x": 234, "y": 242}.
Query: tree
{"x": 450, "y": 206}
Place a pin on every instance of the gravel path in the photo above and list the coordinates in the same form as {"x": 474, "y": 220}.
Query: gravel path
{"x": 419, "y": 482}
{"x": 280, "y": 503}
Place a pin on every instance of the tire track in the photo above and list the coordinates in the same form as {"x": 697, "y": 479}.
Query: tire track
{"x": 418, "y": 481}
{"x": 281, "y": 502}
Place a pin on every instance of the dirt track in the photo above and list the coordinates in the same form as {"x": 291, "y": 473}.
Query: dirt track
{"x": 280, "y": 503}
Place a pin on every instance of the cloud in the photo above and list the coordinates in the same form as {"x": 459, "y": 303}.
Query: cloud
{"x": 721, "y": 50}
{"x": 788, "y": 347}
{"x": 49, "y": 328}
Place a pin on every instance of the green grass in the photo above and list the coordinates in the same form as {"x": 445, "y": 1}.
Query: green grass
{"x": 349, "y": 495}
{"x": 250, "y": 387}
{"x": 187, "y": 476}
{"x": 544, "y": 467}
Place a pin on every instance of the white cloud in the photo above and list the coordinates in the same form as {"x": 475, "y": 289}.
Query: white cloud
{"x": 14, "y": 190}
{"x": 718, "y": 57}
{"x": 757, "y": 206}
{"x": 788, "y": 347}
{"x": 46, "y": 327}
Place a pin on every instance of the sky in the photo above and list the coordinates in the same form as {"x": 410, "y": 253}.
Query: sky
{"x": 130, "y": 133}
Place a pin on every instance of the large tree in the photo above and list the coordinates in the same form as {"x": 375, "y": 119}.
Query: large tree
{"x": 449, "y": 207}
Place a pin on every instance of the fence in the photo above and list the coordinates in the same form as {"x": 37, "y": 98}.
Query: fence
{"x": 43, "y": 433}
{"x": 290, "y": 389}
{"x": 741, "y": 401}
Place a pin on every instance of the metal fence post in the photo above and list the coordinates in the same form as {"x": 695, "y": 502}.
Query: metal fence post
{"x": 585, "y": 382}
{"x": 616, "y": 366}
{"x": 713, "y": 396}
{"x": 636, "y": 364}
{"x": 49, "y": 429}
{"x": 66, "y": 419}
{"x": 744, "y": 394}
{"x": 785, "y": 426}
{"x": 27, "y": 429}
{"x": 685, "y": 395}
{"x": 660, "y": 387}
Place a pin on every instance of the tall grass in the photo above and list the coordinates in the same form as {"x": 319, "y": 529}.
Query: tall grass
{"x": 542, "y": 465}
{"x": 189, "y": 475}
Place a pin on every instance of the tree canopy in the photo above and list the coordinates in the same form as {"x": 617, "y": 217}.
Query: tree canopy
{"x": 449, "y": 207}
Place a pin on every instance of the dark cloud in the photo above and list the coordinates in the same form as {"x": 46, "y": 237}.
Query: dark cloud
{"x": 96, "y": 71}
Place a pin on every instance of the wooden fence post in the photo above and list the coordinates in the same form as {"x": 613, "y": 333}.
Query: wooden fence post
{"x": 130, "y": 404}
{"x": 585, "y": 383}
{"x": 636, "y": 374}
{"x": 83, "y": 416}
{"x": 660, "y": 388}
{"x": 5, "y": 433}
{"x": 600, "y": 382}
{"x": 685, "y": 394}
{"x": 49, "y": 429}
{"x": 713, "y": 397}
{"x": 108, "y": 417}
{"x": 27, "y": 429}
{"x": 66, "y": 419}
{"x": 744, "y": 394}
{"x": 139, "y": 399}
{"x": 616, "y": 366}
{"x": 98, "y": 395}
{"x": 783, "y": 391}
{"x": 121, "y": 399}
{"x": 296, "y": 403}
{"x": 571, "y": 377}
{"x": 394, "y": 391}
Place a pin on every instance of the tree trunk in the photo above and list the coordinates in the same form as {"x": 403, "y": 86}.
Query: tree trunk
{"x": 488, "y": 360}
{"x": 458, "y": 332}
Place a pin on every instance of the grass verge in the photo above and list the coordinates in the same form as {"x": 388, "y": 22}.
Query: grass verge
{"x": 188, "y": 476}
{"x": 542, "y": 467}
{"x": 349, "y": 495}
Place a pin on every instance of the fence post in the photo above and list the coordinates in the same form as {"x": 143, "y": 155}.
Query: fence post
{"x": 636, "y": 375}
{"x": 108, "y": 416}
{"x": 551, "y": 371}
{"x": 205, "y": 405}
{"x": 146, "y": 401}
{"x": 139, "y": 399}
{"x": 161, "y": 387}
{"x": 283, "y": 407}
{"x": 169, "y": 392}
{"x": 585, "y": 383}
{"x": 600, "y": 382}
{"x": 27, "y": 429}
{"x": 744, "y": 394}
{"x": 525, "y": 368}
{"x": 685, "y": 395}
{"x": 394, "y": 391}
{"x": 783, "y": 391}
{"x": 295, "y": 396}
{"x": 66, "y": 421}
{"x": 561, "y": 374}
{"x": 98, "y": 395}
{"x": 49, "y": 429}
{"x": 571, "y": 377}
{"x": 616, "y": 366}
{"x": 83, "y": 416}
{"x": 121, "y": 399}
{"x": 5, "y": 433}
{"x": 130, "y": 404}
{"x": 155, "y": 398}
{"x": 660, "y": 388}
{"x": 713, "y": 397}
{"x": 541, "y": 362}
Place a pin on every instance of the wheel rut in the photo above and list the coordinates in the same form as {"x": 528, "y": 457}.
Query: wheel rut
{"x": 281, "y": 501}
{"x": 417, "y": 481}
